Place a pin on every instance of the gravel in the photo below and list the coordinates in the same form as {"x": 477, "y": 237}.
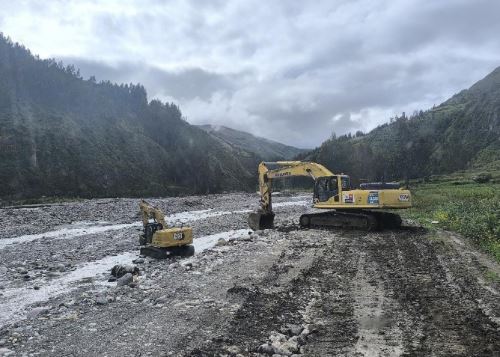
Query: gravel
{"x": 273, "y": 292}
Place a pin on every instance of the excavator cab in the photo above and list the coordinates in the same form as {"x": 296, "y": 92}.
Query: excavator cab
{"x": 331, "y": 186}
{"x": 326, "y": 188}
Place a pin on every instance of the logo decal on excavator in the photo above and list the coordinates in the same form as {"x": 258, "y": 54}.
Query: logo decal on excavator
{"x": 178, "y": 236}
{"x": 281, "y": 174}
{"x": 404, "y": 197}
{"x": 373, "y": 198}
{"x": 348, "y": 198}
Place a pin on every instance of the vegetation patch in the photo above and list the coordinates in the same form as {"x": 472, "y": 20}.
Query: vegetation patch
{"x": 471, "y": 209}
{"x": 492, "y": 276}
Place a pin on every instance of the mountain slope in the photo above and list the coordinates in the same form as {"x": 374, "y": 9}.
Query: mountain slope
{"x": 62, "y": 135}
{"x": 264, "y": 148}
{"x": 461, "y": 133}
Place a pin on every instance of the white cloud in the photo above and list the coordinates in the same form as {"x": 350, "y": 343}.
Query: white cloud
{"x": 279, "y": 69}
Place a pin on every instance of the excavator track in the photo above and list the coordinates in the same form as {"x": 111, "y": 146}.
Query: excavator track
{"x": 165, "y": 253}
{"x": 362, "y": 220}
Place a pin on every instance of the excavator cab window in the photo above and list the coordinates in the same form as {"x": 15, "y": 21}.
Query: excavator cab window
{"x": 326, "y": 187}
{"x": 346, "y": 183}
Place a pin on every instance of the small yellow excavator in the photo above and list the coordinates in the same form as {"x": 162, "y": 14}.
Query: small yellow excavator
{"x": 348, "y": 208}
{"x": 160, "y": 241}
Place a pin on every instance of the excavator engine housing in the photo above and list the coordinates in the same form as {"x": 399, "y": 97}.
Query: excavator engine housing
{"x": 168, "y": 242}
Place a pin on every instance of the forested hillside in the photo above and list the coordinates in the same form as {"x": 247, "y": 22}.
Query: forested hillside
{"x": 264, "y": 148}
{"x": 461, "y": 133}
{"x": 66, "y": 136}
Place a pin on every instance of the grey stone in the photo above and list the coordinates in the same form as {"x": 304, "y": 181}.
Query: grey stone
{"x": 289, "y": 347}
{"x": 121, "y": 270}
{"x": 6, "y": 352}
{"x": 292, "y": 329}
{"x": 162, "y": 299}
{"x": 101, "y": 300}
{"x": 126, "y": 279}
{"x": 221, "y": 242}
{"x": 174, "y": 265}
{"x": 60, "y": 267}
{"x": 37, "y": 311}
{"x": 187, "y": 264}
{"x": 266, "y": 348}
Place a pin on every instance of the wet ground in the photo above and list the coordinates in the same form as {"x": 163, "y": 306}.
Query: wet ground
{"x": 276, "y": 292}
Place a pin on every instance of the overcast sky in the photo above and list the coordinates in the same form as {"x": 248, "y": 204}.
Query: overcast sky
{"x": 293, "y": 71}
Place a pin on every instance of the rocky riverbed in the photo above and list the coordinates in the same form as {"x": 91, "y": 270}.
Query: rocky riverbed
{"x": 278, "y": 292}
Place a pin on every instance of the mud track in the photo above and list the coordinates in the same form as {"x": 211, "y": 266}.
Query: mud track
{"x": 379, "y": 294}
{"x": 310, "y": 292}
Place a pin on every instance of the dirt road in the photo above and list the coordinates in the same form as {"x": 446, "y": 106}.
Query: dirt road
{"x": 283, "y": 292}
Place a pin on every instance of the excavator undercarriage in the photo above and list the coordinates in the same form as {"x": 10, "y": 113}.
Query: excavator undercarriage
{"x": 362, "y": 220}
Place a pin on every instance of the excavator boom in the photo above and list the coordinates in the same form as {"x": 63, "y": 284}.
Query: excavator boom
{"x": 269, "y": 171}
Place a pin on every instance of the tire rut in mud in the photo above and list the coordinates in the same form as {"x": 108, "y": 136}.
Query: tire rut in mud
{"x": 385, "y": 293}
{"x": 438, "y": 313}
{"x": 270, "y": 305}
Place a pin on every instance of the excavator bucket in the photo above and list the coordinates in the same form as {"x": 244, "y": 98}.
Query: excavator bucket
{"x": 258, "y": 220}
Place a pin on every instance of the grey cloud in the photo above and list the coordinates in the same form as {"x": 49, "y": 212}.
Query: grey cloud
{"x": 182, "y": 85}
{"x": 290, "y": 71}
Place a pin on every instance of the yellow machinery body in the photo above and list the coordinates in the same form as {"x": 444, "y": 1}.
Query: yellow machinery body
{"x": 159, "y": 240}
{"x": 368, "y": 199}
{"x": 348, "y": 207}
{"x": 172, "y": 237}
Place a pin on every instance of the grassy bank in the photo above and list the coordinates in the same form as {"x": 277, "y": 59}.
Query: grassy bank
{"x": 461, "y": 205}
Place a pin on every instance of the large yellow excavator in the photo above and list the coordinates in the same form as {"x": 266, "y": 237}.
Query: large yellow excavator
{"x": 160, "y": 241}
{"x": 348, "y": 208}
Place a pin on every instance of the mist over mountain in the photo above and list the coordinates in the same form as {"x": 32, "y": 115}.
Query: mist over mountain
{"x": 61, "y": 135}
{"x": 264, "y": 148}
{"x": 461, "y": 133}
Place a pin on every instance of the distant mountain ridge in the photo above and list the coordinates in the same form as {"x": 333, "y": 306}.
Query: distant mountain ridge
{"x": 61, "y": 135}
{"x": 461, "y": 133}
{"x": 263, "y": 148}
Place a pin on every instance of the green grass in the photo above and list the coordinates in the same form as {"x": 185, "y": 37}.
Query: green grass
{"x": 462, "y": 206}
{"x": 492, "y": 276}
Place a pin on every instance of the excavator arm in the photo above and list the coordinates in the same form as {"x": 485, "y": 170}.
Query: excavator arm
{"x": 269, "y": 171}
{"x": 150, "y": 212}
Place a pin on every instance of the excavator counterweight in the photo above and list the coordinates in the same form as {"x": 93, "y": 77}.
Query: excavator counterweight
{"x": 348, "y": 208}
